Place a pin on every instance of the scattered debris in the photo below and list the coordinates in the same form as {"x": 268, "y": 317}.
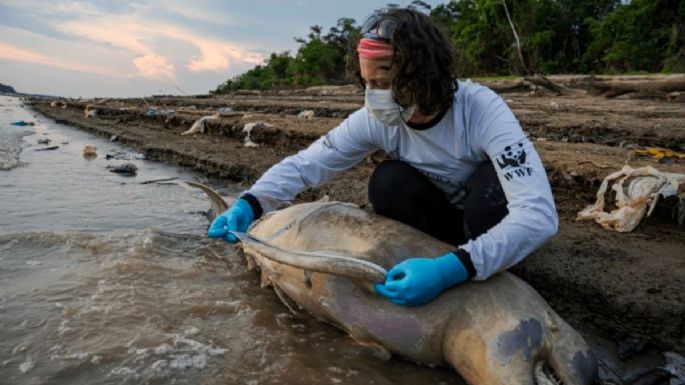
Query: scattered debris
{"x": 306, "y": 114}
{"x": 44, "y": 141}
{"x": 126, "y": 169}
{"x": 247, "y": 129}
{"x": 660, "y": 154}
{"x": 331, "y": 90}
{"x": 673, "y": 96}
{"x": 89, "y": 151}
{"x": 58, "y": 104}
{"x": 113, "y": 138}
{"x": 47, "y": 148}
{"x": 154, "y": 111}
{"x": 119, "y": 155}
{"x": 534, "y": 91}
{"x": 124, "y": 155}
{"x": 200, "y": 124}
{"x": 90, "y": 111}
{"x": 637, "y": 192}
{"x": 22, "y": 123}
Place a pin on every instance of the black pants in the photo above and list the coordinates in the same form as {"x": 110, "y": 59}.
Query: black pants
{"x": 399, "y": 191}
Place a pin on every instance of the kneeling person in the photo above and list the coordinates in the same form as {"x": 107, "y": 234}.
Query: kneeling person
{"x": 462, "y": 170}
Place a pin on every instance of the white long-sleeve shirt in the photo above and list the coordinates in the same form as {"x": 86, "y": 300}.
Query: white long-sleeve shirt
{"x": 478, "y": 126}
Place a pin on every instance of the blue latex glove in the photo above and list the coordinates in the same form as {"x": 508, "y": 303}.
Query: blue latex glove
{"x": 237, "y": 218}
{"x": 417, "y": 281}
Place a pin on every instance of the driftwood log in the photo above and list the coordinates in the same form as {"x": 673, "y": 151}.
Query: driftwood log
{"x": 611, "y": 89}
{"x": 528, "y": 83}
{"x": 542, "y": 81}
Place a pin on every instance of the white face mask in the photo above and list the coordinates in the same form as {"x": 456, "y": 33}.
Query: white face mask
{"x": 384, "y": 108}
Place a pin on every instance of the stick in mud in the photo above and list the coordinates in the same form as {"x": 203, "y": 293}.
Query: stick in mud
{"x": 158, "y": 180}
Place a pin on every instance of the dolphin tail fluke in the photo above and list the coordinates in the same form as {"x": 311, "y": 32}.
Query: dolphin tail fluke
{"x": 570, "y": 360}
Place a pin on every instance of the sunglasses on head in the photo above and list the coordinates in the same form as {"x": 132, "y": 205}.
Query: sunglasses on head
{"x": 379, "y": 27}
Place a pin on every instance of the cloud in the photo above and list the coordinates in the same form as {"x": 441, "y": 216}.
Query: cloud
{"x": 191, "y": 10}
{"x": 138, "y": 36}
{"x": 24, "y": 46}
{"x": 218, "y": 56}
{"x": 138, "y": 47}
{"x": 14, "y": 53}
{"x": 152, "y": 65}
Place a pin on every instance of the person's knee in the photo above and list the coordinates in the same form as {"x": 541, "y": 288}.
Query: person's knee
{"x": 401, "y": 192}
{"x": 387, "y": 183}
{"x": 485, "y": 204}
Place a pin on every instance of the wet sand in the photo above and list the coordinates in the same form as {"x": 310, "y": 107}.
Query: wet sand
{"x": 623, "y": 284}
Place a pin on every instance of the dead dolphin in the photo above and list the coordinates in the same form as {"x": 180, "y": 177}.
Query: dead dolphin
{"x": 496, "y": 332}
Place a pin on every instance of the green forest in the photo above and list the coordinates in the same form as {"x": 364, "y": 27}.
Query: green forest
{"x": 556, "y": 36}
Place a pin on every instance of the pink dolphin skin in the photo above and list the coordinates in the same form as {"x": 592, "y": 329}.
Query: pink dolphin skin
{"x": 500, "y": 331}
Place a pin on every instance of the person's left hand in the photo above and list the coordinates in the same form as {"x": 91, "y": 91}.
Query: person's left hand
{"x": 416, "y": 281}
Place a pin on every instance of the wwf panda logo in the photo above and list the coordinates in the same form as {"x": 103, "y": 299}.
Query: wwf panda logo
{"x": 513, "y": 156}
{"x": 328, "y": 143}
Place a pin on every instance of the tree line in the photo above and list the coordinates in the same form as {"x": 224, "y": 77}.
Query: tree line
{"x": 555, "y": 36}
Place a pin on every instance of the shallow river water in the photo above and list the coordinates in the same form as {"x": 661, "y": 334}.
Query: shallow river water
{"x": 104, "y": 280}
{"x": 107, "y": 280}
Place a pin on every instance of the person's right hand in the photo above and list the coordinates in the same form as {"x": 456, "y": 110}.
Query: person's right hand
{"x": 237, "y": 218}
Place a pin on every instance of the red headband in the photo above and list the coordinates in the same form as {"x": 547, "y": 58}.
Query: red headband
{"x": 374, "y": 49}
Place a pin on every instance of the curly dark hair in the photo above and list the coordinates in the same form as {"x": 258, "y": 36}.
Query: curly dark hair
{"x": 423, "y": 63}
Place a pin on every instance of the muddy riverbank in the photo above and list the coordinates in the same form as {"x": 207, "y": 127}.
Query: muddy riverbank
{"x": 624, "y": 284}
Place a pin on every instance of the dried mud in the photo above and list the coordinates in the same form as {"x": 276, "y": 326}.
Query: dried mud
{"x": 624, "y": 284}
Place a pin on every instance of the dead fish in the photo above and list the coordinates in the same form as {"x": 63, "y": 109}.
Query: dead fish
{"x": 90, "y": 151}
{"x": 200, "y": 125}
{"x": 126, "y": 169}
{"x": 494, "y": 332}
{"x": 47, "y": 148}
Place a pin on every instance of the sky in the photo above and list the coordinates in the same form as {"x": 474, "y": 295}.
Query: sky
{"x": 116, "y": 48}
